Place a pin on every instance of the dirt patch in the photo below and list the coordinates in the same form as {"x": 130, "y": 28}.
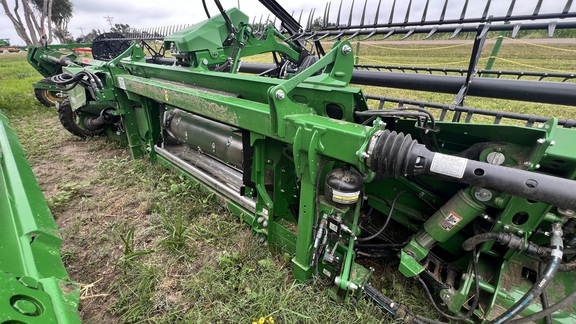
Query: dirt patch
{"x": 86, "y": 221}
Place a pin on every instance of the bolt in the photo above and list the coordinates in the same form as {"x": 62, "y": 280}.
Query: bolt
{"x": 540, "y": 125}
{"x": 382, "y": 124}
{"x": 527, "y": 163}
{"x": 260, "y": 220}
{"x": 537, "y": 166}
{"x": 552, "y": 143}
{"x": 495, "y": 158}
{"x": 29, "y": 282}
{"x": 520, "y": 232}
{"x": 447, "y": 297}
{"x": 25, "y": 307}
{"x": 346, "y": 49}
{"x": 265, "y": 223}
{"x": 541, "y": 140}
{"x": 365, "y": 155}
{"x": 506, "y": 227}
{"x": 205, "y": 61}
{"x": 280, "y": 95}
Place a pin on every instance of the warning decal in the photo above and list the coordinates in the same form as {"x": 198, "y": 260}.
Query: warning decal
{"x": 448, "y": 165}
{"x": 450, "y": 221}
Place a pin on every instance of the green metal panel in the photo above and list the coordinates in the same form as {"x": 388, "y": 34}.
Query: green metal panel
{"x": 35, "y": 286}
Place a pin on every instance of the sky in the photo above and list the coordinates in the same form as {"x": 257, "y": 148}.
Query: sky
{"x": 89, "y": 14}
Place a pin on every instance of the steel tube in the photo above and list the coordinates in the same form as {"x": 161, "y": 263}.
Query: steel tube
{"x": 560, "y": 93}
{"x": 215, "y": 139}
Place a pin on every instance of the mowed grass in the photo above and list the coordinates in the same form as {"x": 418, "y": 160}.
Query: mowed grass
{"x": 160, "y": 249}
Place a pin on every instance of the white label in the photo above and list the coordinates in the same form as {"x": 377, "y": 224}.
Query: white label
{"x": 448, "y": 165}
{"x": 326, "y": 272}
{"x": 345, "y": 197}
{"x": 121, "y": 83}
{"x": 333, "y": 227}
{"x": 265, "y": 211}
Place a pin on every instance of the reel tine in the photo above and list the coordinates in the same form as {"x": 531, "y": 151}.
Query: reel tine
{"x": 456, "y": 31}
{"x": 353, "y": 35}
{"x": 323, "y": 36}
{"x": 485, "y": 14}
{"x": 407, "y": 17}
{"x": 389, "y": 34}
{"x": 310, "y": 18}
{"x": 408, "y": 34}
{"x": 432, "y": 32}
{"x": 369, "y": 35}
{"x": 463, "y": 14}
{"x": 512, "y": 4}
{"x": 326, "y": 13}
{"x": 260, "y": 23}
{"x": 425, "y": 11}
{"x": 337, "y": 36}
{"x": 443, "y": 14}
{"x": 351, "y": 12}
{"x": 551, "y": 28}
{"x": 363, "y": 13}
{"x": 567, "y": 6}
{"x": 516, "y": 30}
{"x": 300, "y": 17}
{"x": 484, "y": 31}
{"x": 392, "y": 12}
{"x": 377, "y": 13}
{"x": 537, "y": 9}
{"x": 339, "y": 12}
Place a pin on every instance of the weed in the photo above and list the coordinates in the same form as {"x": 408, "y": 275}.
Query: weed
{"x": 67, "y": 192}
{"x": 177, "y": 232}
{"x": 130, "y": 253}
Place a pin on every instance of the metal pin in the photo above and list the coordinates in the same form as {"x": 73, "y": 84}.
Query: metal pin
{"x": 485, "y": 14}
{"x": 339, "y": 12}
{"x": 512, "y": 4}
{"x": 377, "y": 13}
{"x": 567, "y": 7}
{"x": 443, "y": 14}
{"x": 425, "y": 11}
{"x": 351, "y": 12}
{"x": 537, "y": 9}
{"x": 407, "y": 17}
{"x": 363, "y": 13}
{"x": 392, "y": 12}
{"x": 463, "y": 14}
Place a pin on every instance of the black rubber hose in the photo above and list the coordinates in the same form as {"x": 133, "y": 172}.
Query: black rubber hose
{"x": 544, "y": 296}
{"x": 563, "y": 303}
{"x": 536, "y": 289}
{"x": 392, "y": 208}
{"x": 206, "y": 9}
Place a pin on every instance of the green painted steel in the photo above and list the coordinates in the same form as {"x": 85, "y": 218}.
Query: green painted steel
{"x": 306, "y": 122}
{"x": 35, "y": 285}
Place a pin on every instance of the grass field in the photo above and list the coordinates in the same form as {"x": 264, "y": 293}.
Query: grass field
{"x": 150, "y": 246}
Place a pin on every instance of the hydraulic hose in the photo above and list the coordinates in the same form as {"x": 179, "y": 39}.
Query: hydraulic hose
{"x": 563, "y": 303}
{"x": 542, "y": 283}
